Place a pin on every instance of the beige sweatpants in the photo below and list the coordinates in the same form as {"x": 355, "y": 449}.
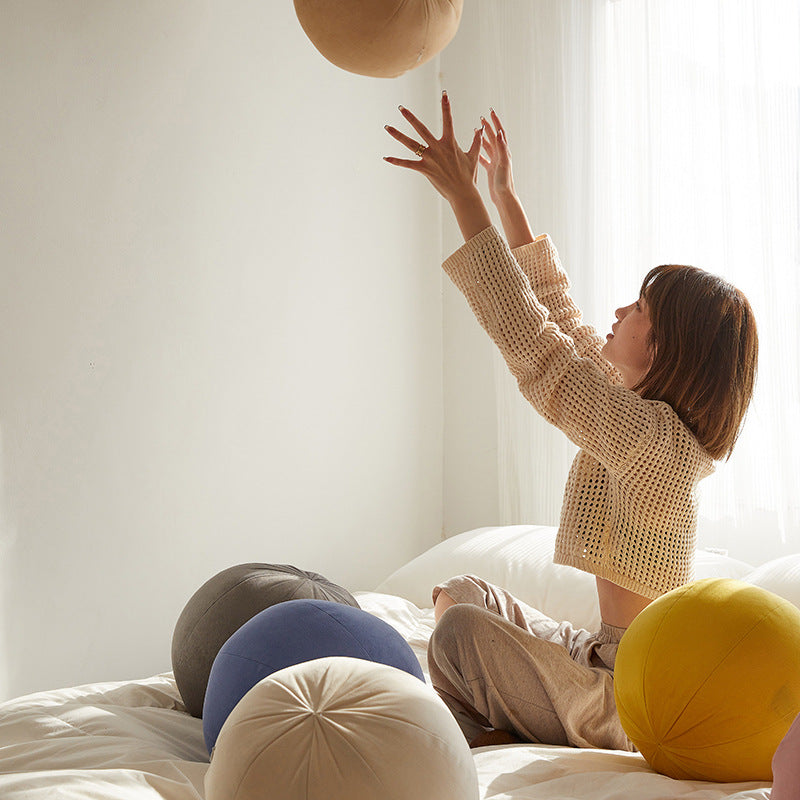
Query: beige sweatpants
{"x": 498, "y": 663}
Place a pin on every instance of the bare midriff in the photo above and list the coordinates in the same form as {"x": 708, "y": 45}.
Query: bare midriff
{"x": 618, "y": 606}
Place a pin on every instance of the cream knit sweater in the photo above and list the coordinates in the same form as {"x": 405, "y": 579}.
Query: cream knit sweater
{"x": 630, "y": 504}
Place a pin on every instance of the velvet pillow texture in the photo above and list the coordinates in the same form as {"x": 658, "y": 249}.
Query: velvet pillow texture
{"x": 341, "y": 729}
{"x": 786, "y": 766}
{"x": 293, "y": 633}
{"x": 693, "y": 688}
{"x": 379, "y": 38}
{"x": 223, "y": 604}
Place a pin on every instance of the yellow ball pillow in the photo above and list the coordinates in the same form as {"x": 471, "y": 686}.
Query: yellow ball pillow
{"x": 707, "y": 680}
{"x": 380, "y": 38}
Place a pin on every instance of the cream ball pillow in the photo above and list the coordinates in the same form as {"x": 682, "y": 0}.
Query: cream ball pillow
{"x": 379, "y": 38}
{"x": 341, "y": 728}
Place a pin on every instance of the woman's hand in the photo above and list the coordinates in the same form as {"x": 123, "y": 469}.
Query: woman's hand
{"x": 452, "y": 171}
{"x": 497, "y": 161}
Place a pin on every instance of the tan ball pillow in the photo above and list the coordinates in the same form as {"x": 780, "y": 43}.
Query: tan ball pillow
{"x": 341, "y": 729}
{"x": 379, "y": 38}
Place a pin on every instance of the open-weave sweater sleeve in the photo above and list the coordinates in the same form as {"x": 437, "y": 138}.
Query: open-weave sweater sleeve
{"x": 550, "y": 283}
{"x": 630, "y": 511}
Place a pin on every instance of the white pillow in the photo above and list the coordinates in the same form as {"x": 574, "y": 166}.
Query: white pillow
{"x": 517, "y": 557}
{"x": 520, "y": 559}
{"x": 780, "y": 576}
{"x": 711, "y": 564}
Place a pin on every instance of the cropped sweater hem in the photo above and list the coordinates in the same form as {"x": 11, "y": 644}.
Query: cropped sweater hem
{"x": 609, "y": 574}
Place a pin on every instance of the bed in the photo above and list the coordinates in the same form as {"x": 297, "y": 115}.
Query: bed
{"x": 134, "y": 740}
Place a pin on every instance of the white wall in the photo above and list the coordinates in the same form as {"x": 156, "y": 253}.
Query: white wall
{"x": 221, "y": 312}
{"x": 471, "y": 497}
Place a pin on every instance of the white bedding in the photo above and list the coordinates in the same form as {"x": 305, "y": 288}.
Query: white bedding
{"x": 134, "y": 741}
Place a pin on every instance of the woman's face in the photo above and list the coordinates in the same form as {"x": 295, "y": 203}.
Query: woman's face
{"x": 627, "y": 347}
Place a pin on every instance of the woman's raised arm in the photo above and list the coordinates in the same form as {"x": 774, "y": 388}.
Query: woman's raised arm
{"x": 497, "y": 163}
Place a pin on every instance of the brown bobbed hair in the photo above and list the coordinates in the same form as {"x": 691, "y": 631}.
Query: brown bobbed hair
{"x": 705, "y": 352}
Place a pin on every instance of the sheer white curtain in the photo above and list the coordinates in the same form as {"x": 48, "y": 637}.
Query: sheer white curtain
{"x": 661, "y": 131}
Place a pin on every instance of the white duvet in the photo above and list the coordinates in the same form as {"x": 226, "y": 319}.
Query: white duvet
{"x": 134, "y": 741}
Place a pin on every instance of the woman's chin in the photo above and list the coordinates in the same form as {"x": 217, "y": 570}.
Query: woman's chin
{"x": 607, "y": 353}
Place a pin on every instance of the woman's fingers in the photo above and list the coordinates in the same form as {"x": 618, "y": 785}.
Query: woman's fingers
{"x": 404, "y": 162}
{"x": 475, "y": 149}
{"x": 410, "y": 143}
{"x": 426, "y": 135}
{"x": 451, "y": 170}
{"x": 447, "y": 117}
{"x": 501, "y": 131}
{"x": 489, "y": 130}
{"x": 498, "y": 144}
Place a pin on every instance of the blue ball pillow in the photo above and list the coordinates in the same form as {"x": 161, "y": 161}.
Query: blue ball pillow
{"x": 292, "y": 633}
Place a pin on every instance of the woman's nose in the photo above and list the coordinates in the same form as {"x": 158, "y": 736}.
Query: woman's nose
{"x": 624, "y": 311}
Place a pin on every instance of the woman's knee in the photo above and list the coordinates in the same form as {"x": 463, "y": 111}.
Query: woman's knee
{"x": 456, "y": 629}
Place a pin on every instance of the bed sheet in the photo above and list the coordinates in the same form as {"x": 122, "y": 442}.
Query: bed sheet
{"x": 134, "y": 741}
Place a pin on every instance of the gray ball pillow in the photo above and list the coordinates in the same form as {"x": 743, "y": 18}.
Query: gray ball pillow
{"x": 223, "y": 604}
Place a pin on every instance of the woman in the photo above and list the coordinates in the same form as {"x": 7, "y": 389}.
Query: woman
{"x": 650, "y": 409}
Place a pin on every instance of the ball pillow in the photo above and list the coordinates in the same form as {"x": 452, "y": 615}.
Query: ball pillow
{"x": 293, "y": 633}
{"x": 380, "y": 38}
{"x": 707, "y": 680}
{"x": 341, "y": 729}
{"x": 786, "y": 766}
{"x": 223, "y": 604}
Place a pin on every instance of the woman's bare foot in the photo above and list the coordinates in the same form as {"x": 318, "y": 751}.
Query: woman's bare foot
{"x": 443, "y": 602}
